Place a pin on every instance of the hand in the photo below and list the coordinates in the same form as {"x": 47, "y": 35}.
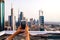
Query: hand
{"x": 27, "y": 28}
{"x": 20, "y": 29}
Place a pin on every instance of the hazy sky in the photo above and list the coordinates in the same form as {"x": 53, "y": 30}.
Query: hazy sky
{"x": 30, "y": 8}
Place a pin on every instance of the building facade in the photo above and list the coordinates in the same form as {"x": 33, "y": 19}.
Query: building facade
{"x": 21, "y": 15}
{"x": 37, "y": 22}
{"x": 10, "y": 21}
{"x": 13, "y": 19}
{"x": 20, "y": 18}
{"x": 31, "y": 21}
{"x": 41, "y": 20}
{"x": 2, "y": 11}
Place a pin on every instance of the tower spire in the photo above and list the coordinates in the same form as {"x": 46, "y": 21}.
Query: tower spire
{"x": 11, "y": 9}
{"x": 40, "y": 13}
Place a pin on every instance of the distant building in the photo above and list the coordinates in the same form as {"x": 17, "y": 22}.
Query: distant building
{"x": 34, "y": 22}
{"x": 2, "y": 13}
{"x": 37, "y": 22}
{"x": 24, "y": 18}
{"x": 21, "y": 15}
{"x": 14, "y": 22}
{"x": 31, "y": 21}
{"x": 20, "y": 18}
{"x": 10, "y": 21}
{"x": 29, "y": 24}
{"x": 41, "y": 20}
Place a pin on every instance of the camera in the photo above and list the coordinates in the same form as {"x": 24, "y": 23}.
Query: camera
{"x": 23, "y": 24}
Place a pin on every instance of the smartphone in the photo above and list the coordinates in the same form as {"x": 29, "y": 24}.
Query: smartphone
{"x": 23, "y": 24}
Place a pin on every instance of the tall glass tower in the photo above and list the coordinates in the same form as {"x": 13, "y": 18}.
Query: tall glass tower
{"x": 41, "y": 20}
{"x": 20, "y": 18}
{"x": 2, "y": 9}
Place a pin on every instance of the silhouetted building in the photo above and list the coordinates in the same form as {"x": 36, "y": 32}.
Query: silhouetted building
{"x": 2, "y": 13}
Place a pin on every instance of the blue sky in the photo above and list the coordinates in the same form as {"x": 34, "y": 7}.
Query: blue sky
{"x": 30, "y": 9}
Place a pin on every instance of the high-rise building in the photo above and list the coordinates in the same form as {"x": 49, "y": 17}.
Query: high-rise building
{"x": 37, "y": 22}
{"x": 13, "y": 19}
{"x": 20, "y": 18}
{"x": 29, "y": 24}
{"x": 34, "y": 22}
{"x": 15, "y": 23}
{"x": 41, "y": 20}
{"x": 31, "y": 21}
{"x": 10, "y": 21}
{"x": 2, "y": 12}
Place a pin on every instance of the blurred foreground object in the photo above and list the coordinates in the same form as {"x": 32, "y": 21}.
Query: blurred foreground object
{"x": 19, "y": 31}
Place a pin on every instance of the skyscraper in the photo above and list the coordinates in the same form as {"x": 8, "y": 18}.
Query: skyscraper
{"x": 13, "y": 19}
{"x": 34, "y": 21}
{"x": 37, "y": 22}
{"x": 10, "y": 21}
{"x": 20, "y": 18}
{"x": 2, "y": 11}
{"x": 41, "y": 20}
{"x": 21, "y": 15}
{"x": 31, "y": 21}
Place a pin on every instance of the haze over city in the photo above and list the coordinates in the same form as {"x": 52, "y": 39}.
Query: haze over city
{"x": 30, "y": 9}
{"x": 29, "y": 20}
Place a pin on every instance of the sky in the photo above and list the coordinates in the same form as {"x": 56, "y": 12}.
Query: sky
{"x": 30, "y": 9}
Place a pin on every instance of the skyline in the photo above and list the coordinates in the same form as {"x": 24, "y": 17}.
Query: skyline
{"x": 30, "y": 9}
